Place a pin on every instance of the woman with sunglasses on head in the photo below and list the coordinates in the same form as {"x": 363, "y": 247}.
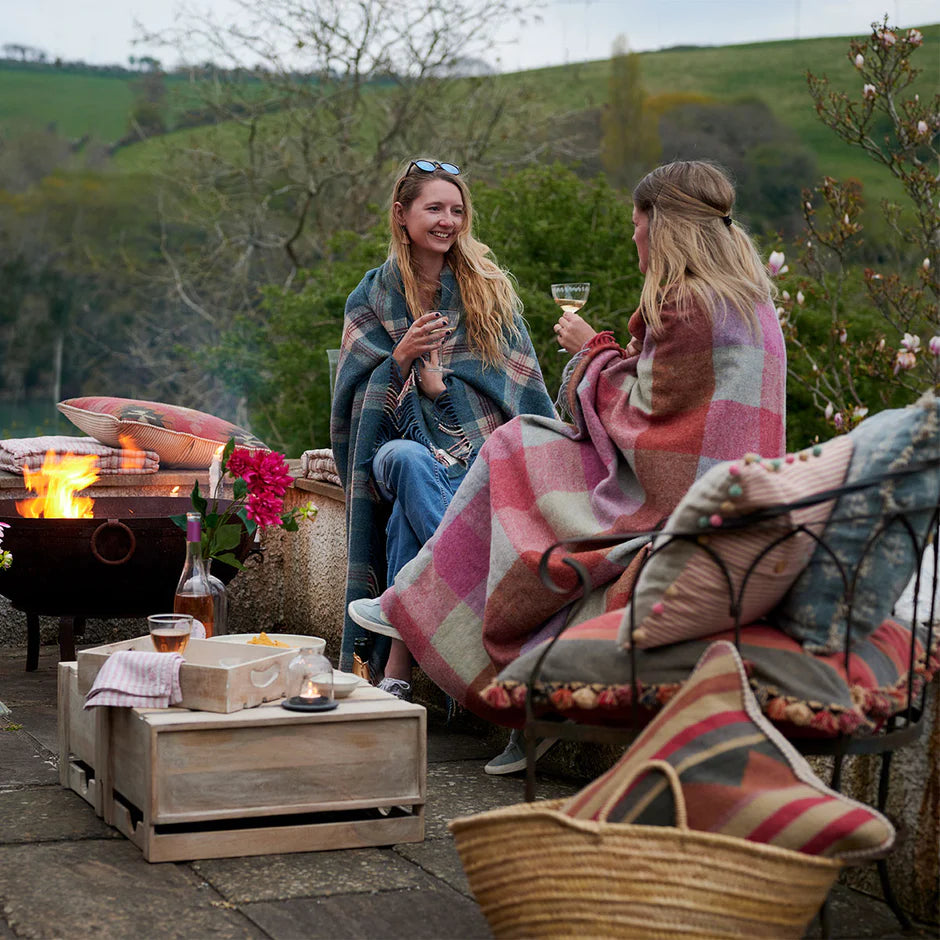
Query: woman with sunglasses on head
{"x": 702, "y": 380}
{"x": 403, "y": 432}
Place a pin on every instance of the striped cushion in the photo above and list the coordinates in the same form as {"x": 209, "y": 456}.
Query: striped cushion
{"x": 183, "y": 437}
{"x": 739, "y": 775}
{"x": 682, "y": 593}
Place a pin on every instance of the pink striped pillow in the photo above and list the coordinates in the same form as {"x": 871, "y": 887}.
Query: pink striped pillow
{"x": 682, "y": 594}
{"x": 739, "y": 776}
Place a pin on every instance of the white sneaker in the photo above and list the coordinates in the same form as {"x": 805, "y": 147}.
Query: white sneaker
{"x": 367, "y": 612}
{"x": 397, "y": 687}
{"x": 512, "y": 758}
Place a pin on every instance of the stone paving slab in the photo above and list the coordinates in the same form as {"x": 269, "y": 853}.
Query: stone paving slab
{"x": 462, "y": 788}
{"x": 426, "y": 914}
{"x": 50, "y": 814}
{"x": 25, "y": 762}
{"x": 438, "y": 857}
{"x": 105, "y": 889}
{"x": 42, "y": 722}
{"x": 309, "y": 874}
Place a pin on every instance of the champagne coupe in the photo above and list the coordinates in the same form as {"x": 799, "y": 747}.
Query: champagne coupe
{"x": 453, "y": 318}
{"x": 571, "y": 297}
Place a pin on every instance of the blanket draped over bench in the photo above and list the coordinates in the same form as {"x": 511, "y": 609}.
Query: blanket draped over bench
{"x": 647, "y": 422}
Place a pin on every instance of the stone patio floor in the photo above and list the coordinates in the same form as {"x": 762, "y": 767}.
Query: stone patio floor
{"x": 65, "y": 874}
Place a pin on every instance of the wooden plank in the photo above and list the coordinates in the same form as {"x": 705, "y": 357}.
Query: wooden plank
{"x": 62, "y": 720}
{"x": 271, "y": 840}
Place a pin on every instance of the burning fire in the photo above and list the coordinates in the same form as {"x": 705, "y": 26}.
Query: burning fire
{"x": 61, "y": 477}
{"x": 56, "y": 483}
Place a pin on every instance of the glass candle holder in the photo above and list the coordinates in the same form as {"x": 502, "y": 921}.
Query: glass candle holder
{"x": 309, "y": 683}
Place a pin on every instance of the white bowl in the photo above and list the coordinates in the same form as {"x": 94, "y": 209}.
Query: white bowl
{"x": 345, "y": 683}
{"x": 293, "y": 640}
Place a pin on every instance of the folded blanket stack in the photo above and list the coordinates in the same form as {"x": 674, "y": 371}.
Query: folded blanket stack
{"x": 318, "y": 464}
{"x": 136, "y": 679}
{"x": 31, "y": 451}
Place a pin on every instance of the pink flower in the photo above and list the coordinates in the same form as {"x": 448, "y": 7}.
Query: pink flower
{"x": 859, "y": 61}
{"x": 265, "y": 509}
{"x": 887, "y": 36}
{"x": 904, "y": 360}
{"x": 915, "y": 37}
{"x": 775, "y": 263}
{"x": 922, "y": 128}
{"x": 829, "y": 411}
{"x": 934, "y": 345}
{"x": 911, "y": 343}
{"x": 869, "y": 91}
{"x": 838, "y": 421}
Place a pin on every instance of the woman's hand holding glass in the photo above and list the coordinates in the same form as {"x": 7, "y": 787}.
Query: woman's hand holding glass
{"x": 427, "y": 332}
{"x": 571, "y": 331}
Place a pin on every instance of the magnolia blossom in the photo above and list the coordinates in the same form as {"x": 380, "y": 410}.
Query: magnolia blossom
{"x": 887, "y": 37}
{"x": 922, "y": 128}
{"x": 776, "y": 263}
{"x": 838, "y": 421}
{"x": 843, "y": 336}
{"x": 934, "y": 345}
{"x": 785, "y": 295}
{"x": 869, "y": 91}
{"x": 800, "y": 298}
{"x": 904, "y": 360}
{"x": 915, "y": 37}
{"x": 859, "y": 61}
{"x": 829, "y": 410}
{"x": 925, "y": 264}
{"x": 859, "y": 412}
{"x": 911, "y": 343}
{"x": 881, "y": 345}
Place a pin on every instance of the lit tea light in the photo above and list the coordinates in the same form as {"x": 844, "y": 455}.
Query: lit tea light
{"x": 309, "y": 683}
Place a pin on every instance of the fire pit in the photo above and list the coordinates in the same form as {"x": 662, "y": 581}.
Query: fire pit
{"x": 124, "y": 561}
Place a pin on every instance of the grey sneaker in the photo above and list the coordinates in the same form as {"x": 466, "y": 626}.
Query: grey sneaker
{"x": 397, "y": 687}
{"x": 367, "y": 612}
{"x": 512, "y": 758}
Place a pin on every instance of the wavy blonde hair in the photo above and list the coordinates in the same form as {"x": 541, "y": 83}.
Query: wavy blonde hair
{"x": 490, "y": 301}
{"x": 698, "y": 257}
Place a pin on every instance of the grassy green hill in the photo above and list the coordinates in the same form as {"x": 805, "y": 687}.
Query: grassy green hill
{"x": 771, "y": 71}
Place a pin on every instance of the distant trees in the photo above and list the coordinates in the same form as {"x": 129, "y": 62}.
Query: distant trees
{"x": 630, "y": 144}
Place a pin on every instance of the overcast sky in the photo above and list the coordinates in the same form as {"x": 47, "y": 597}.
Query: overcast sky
{"x": 101, "y": 31}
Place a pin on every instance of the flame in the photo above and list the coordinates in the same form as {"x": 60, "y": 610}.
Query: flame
{"x": 175, "y": 491}
{"x": 56, "y": 483}
{"x": 132, "y": 457}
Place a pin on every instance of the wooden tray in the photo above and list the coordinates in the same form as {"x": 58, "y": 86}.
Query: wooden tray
{"x": 215, "y": 676}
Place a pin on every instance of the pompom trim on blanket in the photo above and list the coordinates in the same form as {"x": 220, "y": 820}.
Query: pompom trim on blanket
{"x": 871, "y": 706}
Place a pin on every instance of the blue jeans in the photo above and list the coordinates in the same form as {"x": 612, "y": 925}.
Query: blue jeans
{"x": 420, "y": 490}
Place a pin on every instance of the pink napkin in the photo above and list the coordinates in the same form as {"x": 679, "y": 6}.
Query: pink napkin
{"x": 137, "y": 679}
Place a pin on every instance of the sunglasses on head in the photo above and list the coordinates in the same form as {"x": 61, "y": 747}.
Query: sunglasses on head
{"x": 429, "y": 166}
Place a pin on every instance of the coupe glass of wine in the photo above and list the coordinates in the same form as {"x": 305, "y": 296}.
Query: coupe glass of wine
{"x": 453, "y": 318}
{"x": 571, "y": 297}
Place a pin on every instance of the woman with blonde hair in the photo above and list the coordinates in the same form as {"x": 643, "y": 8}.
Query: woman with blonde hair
{"x": 702, "y": 380}
{"x": 404, "y": 432}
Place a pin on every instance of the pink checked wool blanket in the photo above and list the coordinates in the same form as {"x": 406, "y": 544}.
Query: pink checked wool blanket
{"x": 647, "y": 422}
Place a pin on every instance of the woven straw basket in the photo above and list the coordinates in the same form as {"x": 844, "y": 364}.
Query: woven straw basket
{"x": 537, "y": 872}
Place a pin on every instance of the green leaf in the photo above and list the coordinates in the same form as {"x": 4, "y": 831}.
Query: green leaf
{"x": 226, "y": 537}
{"x": 179, "y": 520}
{"x": 289, "y": 523}
{"x": 239, "y": 488}
{"x": 250, "y": 524}
{"x": 198, "y": 501}
{"x": 229, "y": 559}
{"x": 227, "y": 452}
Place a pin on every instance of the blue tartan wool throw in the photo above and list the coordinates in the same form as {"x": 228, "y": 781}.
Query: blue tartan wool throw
{"x": 374, "y": 403}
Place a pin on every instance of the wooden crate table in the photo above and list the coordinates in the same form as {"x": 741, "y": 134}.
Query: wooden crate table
{"x": 185, "y": 785}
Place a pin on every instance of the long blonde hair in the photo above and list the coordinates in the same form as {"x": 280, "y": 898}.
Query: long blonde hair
{"x": 698, "y": 256}
{"x": 490, "y": 301}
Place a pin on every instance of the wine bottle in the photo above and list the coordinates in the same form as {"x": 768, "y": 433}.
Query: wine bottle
{"x": 194, "y": 593}
{"x": 362, "y": 654}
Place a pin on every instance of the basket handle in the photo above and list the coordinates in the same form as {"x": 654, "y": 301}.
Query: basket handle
{"x": 672, "y": 777}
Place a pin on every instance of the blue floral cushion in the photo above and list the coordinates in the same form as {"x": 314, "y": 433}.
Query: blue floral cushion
{"x": 814, "y": 611}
